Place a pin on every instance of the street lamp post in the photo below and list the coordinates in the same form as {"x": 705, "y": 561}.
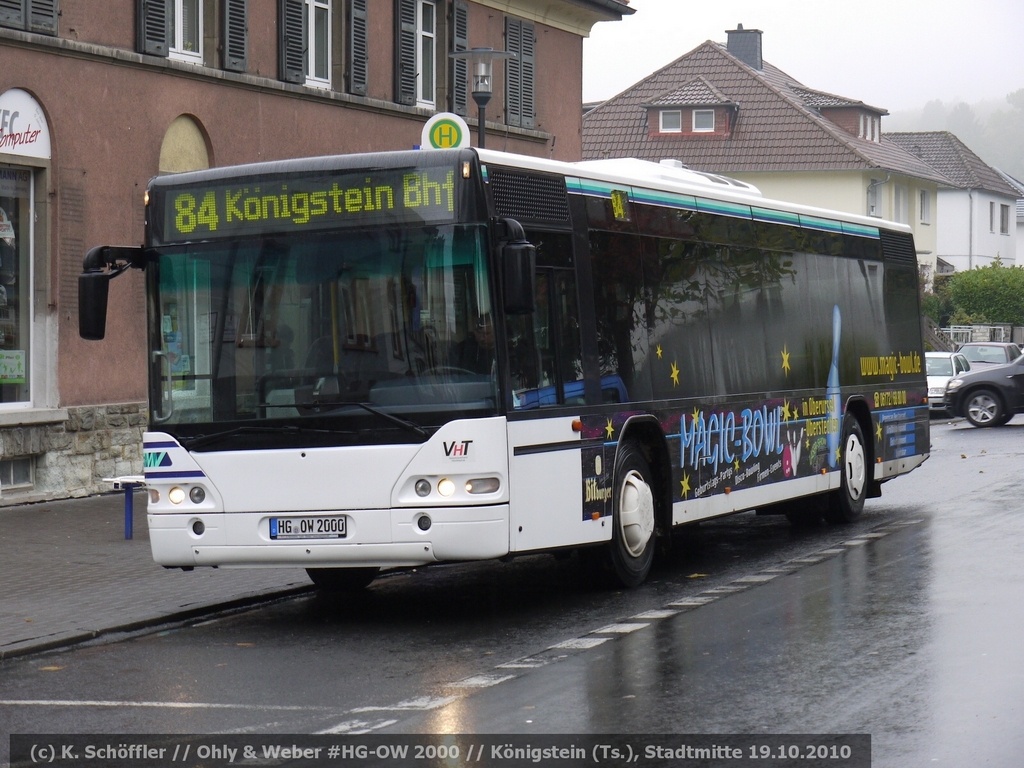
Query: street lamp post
{"x": 481, "y": 65}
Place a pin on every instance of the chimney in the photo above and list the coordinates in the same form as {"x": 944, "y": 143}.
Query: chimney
{"x": 745, "y": 45}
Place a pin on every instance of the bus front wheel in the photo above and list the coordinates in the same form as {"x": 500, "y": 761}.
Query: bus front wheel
{"x": 632, "y": 547}
{"x": 342, "y": 579}
{"x": 846, "y": 504}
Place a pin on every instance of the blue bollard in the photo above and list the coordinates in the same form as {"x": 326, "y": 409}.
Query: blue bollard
{"x": 129, "y": 509}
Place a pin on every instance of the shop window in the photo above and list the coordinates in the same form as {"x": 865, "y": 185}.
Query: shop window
{"x": 15, "y": 316}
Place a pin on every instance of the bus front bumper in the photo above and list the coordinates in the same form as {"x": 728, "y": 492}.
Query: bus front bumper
{"x": 376, "y": 537}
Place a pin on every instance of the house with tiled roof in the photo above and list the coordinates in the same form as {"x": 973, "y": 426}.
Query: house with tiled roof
{"x": 1018, "y": 185}
{"x": 975, "y": 216}
{"x": 724, "y": 109}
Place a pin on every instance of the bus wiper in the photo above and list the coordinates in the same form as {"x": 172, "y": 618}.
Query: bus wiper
{"x": 201, "y": 440}
{"x": 406, "y": 424}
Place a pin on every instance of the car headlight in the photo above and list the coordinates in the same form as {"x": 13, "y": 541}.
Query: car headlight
{"x": 954, "y": 384}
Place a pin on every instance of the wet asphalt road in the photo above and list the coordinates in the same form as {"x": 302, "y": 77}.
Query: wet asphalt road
{"x": 907, "y": 626}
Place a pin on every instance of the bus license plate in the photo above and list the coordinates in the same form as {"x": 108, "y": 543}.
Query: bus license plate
{"x": 308, "y": 527}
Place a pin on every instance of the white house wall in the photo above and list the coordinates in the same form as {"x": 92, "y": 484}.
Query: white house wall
{"x": 965, "y": 239}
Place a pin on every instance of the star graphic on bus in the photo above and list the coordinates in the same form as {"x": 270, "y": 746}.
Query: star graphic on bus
{"x": 785, "y": 359}
{"x": 878, "y": 432}
{"x": 674, "y": 374}
{"x": 659, "y": 351}
{"x": 684, "y": 486}
{"x": 609, "y": 429}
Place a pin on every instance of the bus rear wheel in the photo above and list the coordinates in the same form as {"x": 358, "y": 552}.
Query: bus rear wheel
{"x": 631, "y": 551}
{"x": 342, "y": 579}
{"x": 846, "y": 504}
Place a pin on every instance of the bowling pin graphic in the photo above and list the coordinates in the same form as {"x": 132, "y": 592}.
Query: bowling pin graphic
{"x": 832, "y": 393}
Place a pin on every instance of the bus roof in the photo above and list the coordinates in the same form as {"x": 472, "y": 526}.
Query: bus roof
{"x": 672, "y": 176}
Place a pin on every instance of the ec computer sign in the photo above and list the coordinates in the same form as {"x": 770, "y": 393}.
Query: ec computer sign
{"x": 445, "y": 131}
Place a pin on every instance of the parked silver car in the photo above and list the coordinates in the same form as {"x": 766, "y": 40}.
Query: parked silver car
{"x": 981, "y": 353}
{"x": 940, "y": 367}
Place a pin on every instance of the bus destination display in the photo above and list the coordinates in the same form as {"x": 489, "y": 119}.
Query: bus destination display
{"x": 291, "y": 204}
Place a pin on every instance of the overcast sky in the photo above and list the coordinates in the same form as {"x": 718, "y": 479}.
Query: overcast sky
{"x": 893, "y": 54}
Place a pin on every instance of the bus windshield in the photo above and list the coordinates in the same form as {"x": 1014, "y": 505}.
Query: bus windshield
{"x": 359, "y": 335}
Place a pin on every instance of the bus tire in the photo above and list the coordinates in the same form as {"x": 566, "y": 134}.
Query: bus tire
{"x": 342, "y": 579}
{"x": 631, "y": 551}
{"x": 846, "y": 504}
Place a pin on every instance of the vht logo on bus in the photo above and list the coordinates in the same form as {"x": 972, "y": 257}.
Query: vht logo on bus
{"x": 156, "y": 459}
{"x": 457, "y": 449}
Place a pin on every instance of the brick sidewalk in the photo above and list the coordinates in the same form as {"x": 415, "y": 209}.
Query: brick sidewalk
{"x": 68, "y": 574}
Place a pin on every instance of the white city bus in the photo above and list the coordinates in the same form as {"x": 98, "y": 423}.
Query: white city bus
{"x": 395, "y": 359}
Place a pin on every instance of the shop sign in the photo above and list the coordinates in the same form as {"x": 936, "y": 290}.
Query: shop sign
{"x": 23, "y": 129}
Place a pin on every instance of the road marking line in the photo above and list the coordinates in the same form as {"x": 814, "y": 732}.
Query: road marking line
{"x": 422, "y": 704}
{"x": 159, "y": 705}
{"x": 619, "y": 629}
{"x": 356, "y": 727}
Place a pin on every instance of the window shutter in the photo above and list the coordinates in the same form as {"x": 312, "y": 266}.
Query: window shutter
{"x": 513, "y": 80}
{"x": 12, "y": 13}
{"x": 154, "y": 22}
{"x": 43, "y": 16}
{"x": 520, "y": 72}
{"x": 236, "y": 35}
{"x": 358, "y": 64}
{"x": 405, "y": 52}
{"x": 292, "y": 46}
{"x": 458, "y": 81}
{"x": 527, "y": 76}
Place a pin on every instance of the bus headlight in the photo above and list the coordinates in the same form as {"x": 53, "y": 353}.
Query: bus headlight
{"x": 176, "y": 495}
{"x": 445, "y": 487}
{"x": 197, "y": 494}
{"x": 483, "y": 485}
{"x": 423, "y": 488}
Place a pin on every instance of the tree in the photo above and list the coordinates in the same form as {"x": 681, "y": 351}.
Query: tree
{"x": 992, "y": 294}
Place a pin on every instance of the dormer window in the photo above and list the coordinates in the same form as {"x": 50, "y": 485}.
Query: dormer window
{"x": 703, "y": 120}
{"x": 870, "y": 127}
{"x": 696, "y": 110}
{"x": 670, "y": 121}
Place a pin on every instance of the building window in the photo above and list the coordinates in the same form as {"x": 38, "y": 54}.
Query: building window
{"x": 872, "y": 202}
{"x": 992, "y": 217}
{"x": 426, "y": 52}
{"x": 186, "y": 31}
{"x": 703, "y": 120}
{"x": 925, "y": 206}
{"x": 901, "y": 204}
{"x": 1004, "y": 219}
{"x": 17, "y": 473}
{"x": 16, "y": 217}
{"x": 670, "y": 121}
{"x": 305, "y": 44}
{"x": 318, "y": 35}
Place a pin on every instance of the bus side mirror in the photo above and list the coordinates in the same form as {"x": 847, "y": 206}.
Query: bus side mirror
{"x": 93, "y": 288}
{"x": 518, "y": 260}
